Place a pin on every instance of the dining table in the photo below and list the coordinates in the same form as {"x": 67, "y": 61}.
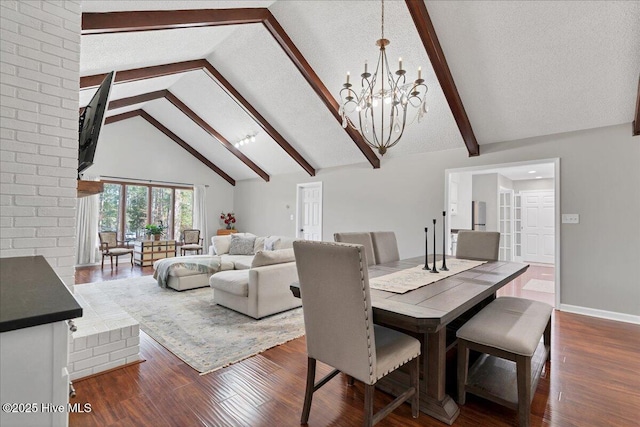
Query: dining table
{"x": 432, "y": 313}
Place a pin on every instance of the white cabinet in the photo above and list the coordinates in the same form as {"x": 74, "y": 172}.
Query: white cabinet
{"x": 33, "y": 368}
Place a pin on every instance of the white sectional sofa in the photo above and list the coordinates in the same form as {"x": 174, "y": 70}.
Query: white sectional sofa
{"x": 253, "y": 281}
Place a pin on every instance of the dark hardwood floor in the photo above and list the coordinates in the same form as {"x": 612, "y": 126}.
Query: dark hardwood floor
{"x": 593, "y": 380}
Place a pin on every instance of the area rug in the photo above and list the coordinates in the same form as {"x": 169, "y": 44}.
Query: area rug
{"x": 538, "y": 285}
{"x": 190, "y": 325}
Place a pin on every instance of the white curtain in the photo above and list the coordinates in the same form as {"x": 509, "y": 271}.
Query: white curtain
{"x": 200, "y": 212}
{"x": 87, "y": 229}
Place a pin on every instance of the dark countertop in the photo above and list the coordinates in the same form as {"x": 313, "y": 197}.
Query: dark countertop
{"x": 32, "y": 294}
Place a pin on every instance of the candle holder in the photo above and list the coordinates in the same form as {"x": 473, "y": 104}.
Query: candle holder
{"x": 433, "y": 270}
{"x": 444, "y": 251}
{"x": 426, "y": 249}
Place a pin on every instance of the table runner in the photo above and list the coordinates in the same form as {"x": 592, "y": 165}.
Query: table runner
{"x": 407, "y": 280}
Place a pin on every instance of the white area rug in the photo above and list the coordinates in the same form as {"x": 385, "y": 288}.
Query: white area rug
{"x": 538, "y": 285}
{"x": 204, "y": 335}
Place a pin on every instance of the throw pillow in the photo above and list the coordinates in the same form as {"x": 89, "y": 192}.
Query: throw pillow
{"x": 259, "y": 245}
{"x": 284, "y": 243}
{"x": 272, "y": 257}
{"x": 241, "y": 245}
{"x": 221, "y": 244}
{"x": 270, "y": 242}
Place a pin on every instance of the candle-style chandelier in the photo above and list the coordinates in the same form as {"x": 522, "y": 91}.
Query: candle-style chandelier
{"x": 381, "y": 106}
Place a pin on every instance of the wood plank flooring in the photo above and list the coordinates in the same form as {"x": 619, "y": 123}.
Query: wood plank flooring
{"x": 593, "y": 380}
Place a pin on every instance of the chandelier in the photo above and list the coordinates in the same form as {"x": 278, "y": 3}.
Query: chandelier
{"x": 381, "y": 106}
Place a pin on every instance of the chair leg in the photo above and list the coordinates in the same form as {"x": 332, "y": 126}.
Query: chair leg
{"x": 117, "y": 257}
{"x": 308, "y": 394}
{"x": 523, "y": 368}
{"x": 414, "y": 368}
{"x": 368, "y": 404}
{"x": 111, "y": 258}
{"x": 102, "y": 267}
{"x": 463, "y": 368}
{"x": 131, "y": 259}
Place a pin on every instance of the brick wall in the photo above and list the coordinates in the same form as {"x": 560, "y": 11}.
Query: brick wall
{"x": 39, "y": 78}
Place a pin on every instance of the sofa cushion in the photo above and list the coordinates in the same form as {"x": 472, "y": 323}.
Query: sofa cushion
{"x": 236, "y": 262}
{"x": 283, "y": 243}
{"x": 241, "y": 245}
{"x": 221, "y": 244}
{"x": 235, "y": 282}
{"x": 272, "y": 257}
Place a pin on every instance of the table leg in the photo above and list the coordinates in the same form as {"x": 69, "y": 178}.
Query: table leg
{"x": 433, "y": 398}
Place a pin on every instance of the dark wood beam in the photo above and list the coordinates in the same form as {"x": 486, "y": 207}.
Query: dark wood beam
{"x": 290, "y": 49}
{"x": 636, "y": 121}
{"x": 143, "y": 73}
{"x": 257, "y": 117}
{"x": 211, "y": 131}
{"x": 138, "y": 99}
{"x": 115, "y": 22}
{"x": 173, "y": 136}
{"x": 202, "y": 64}
{"x": 120, "y": 117}
{"x": 429, "y": 38}
{"x": 121, "y": 22}
{"x": 195, "y": 153}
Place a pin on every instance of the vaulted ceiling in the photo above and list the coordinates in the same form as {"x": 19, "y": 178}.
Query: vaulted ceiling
{"x": 208, "y": 76}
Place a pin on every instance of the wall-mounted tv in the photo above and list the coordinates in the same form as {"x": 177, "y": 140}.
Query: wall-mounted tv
{"x": 91, "y": 120}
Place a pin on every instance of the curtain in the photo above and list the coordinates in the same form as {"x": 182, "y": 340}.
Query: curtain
{"x": 200, "y": 212}
{"x": 87, "y": 229}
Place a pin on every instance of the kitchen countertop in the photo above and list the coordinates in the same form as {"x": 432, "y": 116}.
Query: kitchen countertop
{"x": 32, "y": 294}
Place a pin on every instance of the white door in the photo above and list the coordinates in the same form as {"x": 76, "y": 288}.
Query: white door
{"x": 538, "y": 230}
{"x": 309, "y": 211}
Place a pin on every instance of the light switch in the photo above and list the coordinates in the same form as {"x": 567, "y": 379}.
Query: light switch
{"x": 570, "y": 218}
{"x": 291, "y": 217}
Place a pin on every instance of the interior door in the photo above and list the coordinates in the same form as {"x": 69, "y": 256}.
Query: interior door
{"x": 309, "y": 211}
{"x": 538, "y": 229}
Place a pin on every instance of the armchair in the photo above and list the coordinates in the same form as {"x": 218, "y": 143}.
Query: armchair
{"x": 191, "y": 241}
{"x": 109, "y": 246}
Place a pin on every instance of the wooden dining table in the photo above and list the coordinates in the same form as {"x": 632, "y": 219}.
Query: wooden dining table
{"x": 432, "y": 313}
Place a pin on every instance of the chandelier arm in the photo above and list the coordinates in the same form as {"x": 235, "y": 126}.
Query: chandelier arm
{"x": 402, "y": 128}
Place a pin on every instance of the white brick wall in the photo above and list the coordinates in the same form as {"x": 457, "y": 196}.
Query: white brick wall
{"x": 39, "y": 79}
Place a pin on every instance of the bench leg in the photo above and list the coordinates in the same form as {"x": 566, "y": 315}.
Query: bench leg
{"x": 523, "y": 366}
{"x": 463, "y": 369}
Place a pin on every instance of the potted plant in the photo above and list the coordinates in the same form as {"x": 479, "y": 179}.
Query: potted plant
{"x": 229, "y": 219}
{"x": 155, "y": 230}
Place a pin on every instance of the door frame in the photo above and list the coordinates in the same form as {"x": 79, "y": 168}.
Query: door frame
{"x": 299, "y": 188}
{"x": 557, "y": 216}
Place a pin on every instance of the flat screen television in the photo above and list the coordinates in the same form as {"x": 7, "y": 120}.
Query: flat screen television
{"x": 91, "y": 121}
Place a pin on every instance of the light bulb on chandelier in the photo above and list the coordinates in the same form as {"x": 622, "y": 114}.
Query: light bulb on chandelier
{"x": 380, "y": 128}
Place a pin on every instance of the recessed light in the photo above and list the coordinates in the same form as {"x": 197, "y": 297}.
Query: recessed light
{"x": 538, "y": 177}
{"x": 532, "y": 171}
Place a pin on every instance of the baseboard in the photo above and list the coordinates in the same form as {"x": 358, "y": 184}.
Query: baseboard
{"x": 603, "y": 314}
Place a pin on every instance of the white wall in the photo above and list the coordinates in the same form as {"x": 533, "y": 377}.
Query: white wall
{"x": 135, "y": 149}
{"x": 462, "y": 221}
{"x": 39, "y": 151}
{"x": 533, "y": 184}
{"x": 600, "y": 178}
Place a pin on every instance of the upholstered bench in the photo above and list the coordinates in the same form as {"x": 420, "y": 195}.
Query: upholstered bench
{"x": 507, "y": 330}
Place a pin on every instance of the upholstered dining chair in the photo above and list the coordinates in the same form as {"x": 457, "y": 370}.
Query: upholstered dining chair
{"x": 109, "y": 247}
{"x": 385, "y": 246}
{"x": 479, "y": 245}
{"x": 338, "y": 321}
{"x": 191, "y": 241}
{"x": 358, "y": 238}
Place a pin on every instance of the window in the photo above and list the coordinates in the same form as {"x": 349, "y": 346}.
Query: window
{"x": 128, "y": 207}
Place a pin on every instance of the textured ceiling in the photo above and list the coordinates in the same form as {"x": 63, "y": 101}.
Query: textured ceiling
{"x": 522, "y": 68}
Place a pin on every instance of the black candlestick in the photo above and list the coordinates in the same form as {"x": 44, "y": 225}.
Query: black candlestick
{"x": 444, "y": 252}
{"x": 433, "y": 270}
{"x": 426, "y": 249}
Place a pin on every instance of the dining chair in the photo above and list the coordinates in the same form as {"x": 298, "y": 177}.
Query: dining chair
{"x": 338, "y": 321}
{"x": 358, "y": 238}
{"x": 385, "y": 246}
{"x": 109, "y": 247}
{"x": 191, "y": 241}
{"x": 480, "y": 245}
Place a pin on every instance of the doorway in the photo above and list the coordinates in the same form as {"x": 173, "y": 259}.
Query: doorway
{"x": 309, "y": 211}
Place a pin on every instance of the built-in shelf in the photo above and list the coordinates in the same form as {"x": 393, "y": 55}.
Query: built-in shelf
{"x": 89, "y": 188}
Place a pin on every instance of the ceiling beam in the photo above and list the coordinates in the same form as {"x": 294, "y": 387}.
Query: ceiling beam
{"x": 118, "y": 22}
{"x": 126, "y": 76}
{"x": 429, "y": 38}
{"x": 122, "y": 22}
{"x": 132, "y": 100}
{"x": 636, "y": 121}
{"x": 211, "y": 131}
{"x": 174, "y": 137}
